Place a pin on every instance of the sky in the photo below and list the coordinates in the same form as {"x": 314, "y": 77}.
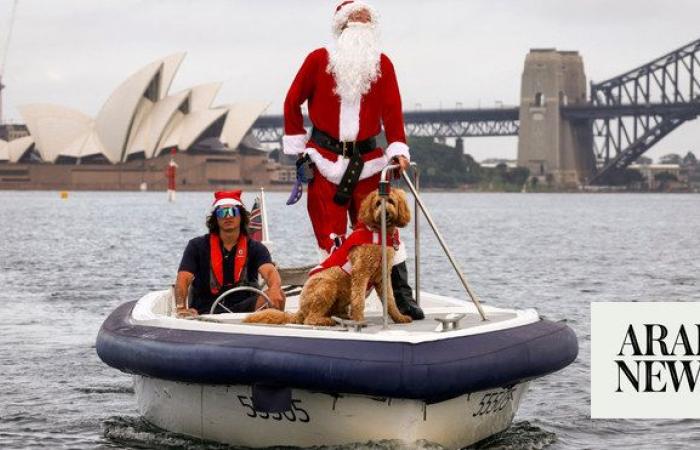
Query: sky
{"x": 446, "y": 53}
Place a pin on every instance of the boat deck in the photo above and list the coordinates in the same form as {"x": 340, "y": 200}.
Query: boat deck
{"x": 433, "y": 322}
{"x": 445, "y": 317}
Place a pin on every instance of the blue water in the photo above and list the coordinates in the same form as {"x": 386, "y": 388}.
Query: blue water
{"x": 65, "y": 264}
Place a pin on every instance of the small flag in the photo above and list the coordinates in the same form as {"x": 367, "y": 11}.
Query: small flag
{"x": 255, "y": 224}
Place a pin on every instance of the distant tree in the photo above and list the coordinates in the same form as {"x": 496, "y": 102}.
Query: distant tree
{"x": 442, "y": 165}
{"x": 671, "y": 158}
{"x": 632, "y": 176}
{"x": 473, "y": 169}
{"x": 689, "y": 159}
{"x": 499, "y": 173}
{"x": 517, "y": 176}
{"x": 644, "y": 161}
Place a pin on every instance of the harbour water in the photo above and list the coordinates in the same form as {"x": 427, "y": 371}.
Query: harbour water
{"x": 65, "y": 264}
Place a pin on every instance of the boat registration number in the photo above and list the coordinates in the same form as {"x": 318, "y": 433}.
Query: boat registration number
{"x": 296, "y": 413}
{"x": 493, "y": 402}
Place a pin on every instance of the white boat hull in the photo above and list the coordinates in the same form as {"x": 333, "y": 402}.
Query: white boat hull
{"x": 225, "y": 414}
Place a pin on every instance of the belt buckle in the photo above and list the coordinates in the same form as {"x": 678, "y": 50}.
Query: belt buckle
{"x": 345, "y": 149}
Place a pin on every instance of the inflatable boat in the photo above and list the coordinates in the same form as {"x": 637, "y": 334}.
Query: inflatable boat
{"x": 453, "y": 379}
{"x": 450, "y": 379}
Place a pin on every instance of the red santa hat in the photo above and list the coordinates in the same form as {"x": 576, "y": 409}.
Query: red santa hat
{"x": 345, "y": 9}
{"x": 232, "y": 198}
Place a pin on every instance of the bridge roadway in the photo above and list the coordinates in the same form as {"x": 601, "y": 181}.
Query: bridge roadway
{"x": 504, "y": 121}
{"x": 593, "y": 112}
{"x": 429, "y": 123}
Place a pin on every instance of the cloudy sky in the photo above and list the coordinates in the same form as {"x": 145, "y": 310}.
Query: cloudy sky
{"x": 468, "y": 52}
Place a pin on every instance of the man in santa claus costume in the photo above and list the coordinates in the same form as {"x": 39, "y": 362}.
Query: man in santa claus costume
{"x": 351, "y": 90}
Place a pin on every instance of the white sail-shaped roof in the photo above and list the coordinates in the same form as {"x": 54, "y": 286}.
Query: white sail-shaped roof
{"x": 54, "y": 127}
{"x": 139, "y": 127}
{"x": 191, "y": 127}
{"x": 171, "y": 133}
{"x": 16, "y": 148}
{"x": 139, "y": 116}
{"x": 4, "y": 151}
{"x": 84, "y": 146}
{"x": 170, "y": 65}
{"x": 203, "y": 95}
{"x": 151, "y": 130}
{"x": 241, "y": 116}
{"x": 115, "y": 119}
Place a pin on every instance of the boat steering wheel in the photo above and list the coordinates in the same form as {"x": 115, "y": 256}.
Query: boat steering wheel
{"x": 217, "y": 302}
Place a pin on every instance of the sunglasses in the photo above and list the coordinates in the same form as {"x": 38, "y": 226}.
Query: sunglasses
{"x": 223, "y": 212}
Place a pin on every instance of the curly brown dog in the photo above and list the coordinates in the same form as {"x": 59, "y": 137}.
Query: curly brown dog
{"x": 332, "y": 291}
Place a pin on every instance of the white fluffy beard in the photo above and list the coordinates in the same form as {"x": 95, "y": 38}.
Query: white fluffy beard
{"x": 354, "y": 62}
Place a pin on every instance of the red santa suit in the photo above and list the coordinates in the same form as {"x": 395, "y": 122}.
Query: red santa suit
{"x": 344, "y": 121}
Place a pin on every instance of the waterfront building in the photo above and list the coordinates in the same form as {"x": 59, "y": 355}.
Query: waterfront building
{"x": 656, "y": 174}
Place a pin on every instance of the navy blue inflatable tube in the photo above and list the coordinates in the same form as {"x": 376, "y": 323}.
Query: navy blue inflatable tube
{"x": 431, "y": 371}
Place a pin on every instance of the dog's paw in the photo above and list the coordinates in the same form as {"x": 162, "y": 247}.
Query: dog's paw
{"x": 319, "y": 321}
{"x": 402, "y": 319}
{"x": 357, "y": 317}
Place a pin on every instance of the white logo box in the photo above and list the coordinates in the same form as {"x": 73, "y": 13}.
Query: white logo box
{"x": 610, "y": 322}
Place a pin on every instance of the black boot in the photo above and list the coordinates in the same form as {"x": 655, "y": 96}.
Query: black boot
{"x": 403, "y": 293}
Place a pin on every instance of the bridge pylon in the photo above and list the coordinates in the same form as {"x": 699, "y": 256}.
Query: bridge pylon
{"x": 552, "y": 147}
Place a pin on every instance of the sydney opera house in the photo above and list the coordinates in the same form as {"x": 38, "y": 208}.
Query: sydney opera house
{"x": 130, "y": 140}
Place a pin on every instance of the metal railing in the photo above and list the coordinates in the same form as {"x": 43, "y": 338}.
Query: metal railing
{"x": 384, "y": 189}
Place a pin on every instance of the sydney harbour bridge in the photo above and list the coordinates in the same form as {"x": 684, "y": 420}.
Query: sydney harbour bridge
{"x": 579, "y": 135}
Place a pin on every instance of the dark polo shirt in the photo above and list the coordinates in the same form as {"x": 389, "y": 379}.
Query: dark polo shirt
{"x": 196, "y": 260}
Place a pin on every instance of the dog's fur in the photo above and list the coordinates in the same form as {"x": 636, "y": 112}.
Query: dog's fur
{"x": 331, "y": 292}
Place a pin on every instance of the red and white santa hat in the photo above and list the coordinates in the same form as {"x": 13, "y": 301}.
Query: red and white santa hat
{"x": 228, "y": 198}
{"x": 345, "y": 9}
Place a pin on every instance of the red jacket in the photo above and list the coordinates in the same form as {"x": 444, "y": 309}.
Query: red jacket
{"x": 380, "y": 105}
{"x": 360, "y": 235}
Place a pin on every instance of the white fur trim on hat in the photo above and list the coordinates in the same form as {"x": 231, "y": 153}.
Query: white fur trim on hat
{"x": 294, "y": 144}
{"x": 397, "y": 149}
{"x": 341, "y": 17}
{"x": 226, "y": 201}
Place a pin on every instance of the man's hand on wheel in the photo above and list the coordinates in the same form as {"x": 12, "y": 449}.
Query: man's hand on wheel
{"x": 276, "y": 297}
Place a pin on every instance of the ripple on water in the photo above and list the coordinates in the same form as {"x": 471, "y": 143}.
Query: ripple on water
{"x": 64, "y": 271}
{"x": 520, "y": 436}
{"x": 136, "y": 432}
{"x": 106, "y": 389}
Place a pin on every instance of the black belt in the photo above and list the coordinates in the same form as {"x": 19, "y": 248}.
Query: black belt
{"x": 351, "y": 150}
{"x": 343, "y": 148}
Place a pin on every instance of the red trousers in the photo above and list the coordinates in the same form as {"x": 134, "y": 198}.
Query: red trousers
{"x": 329, "y": 217}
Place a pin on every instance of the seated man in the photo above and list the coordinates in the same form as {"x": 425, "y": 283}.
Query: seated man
{"x": 223, "y": 259}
